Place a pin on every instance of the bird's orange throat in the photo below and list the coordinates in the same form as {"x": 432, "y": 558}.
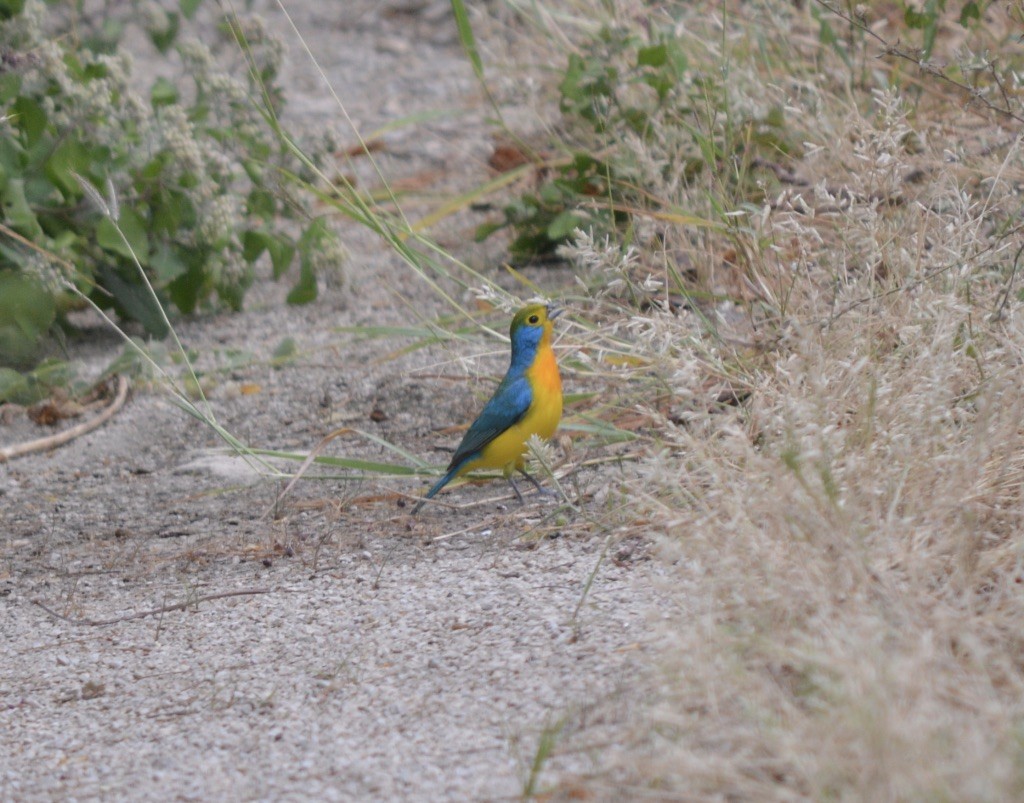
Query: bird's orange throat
{"x": 544, "y": 376}
{"x": 546, "y": 410}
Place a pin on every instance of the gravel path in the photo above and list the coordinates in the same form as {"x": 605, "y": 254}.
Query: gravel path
{"x": 365, "y": 655}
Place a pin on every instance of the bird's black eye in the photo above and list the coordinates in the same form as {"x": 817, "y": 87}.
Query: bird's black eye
{"x": 534, "y": 318}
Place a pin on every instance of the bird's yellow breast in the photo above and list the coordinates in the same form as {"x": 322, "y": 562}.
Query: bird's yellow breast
{"x": 541, "y": 419}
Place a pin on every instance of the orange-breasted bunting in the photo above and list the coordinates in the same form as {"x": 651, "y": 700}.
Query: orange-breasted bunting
{"x": 527, "y": 402}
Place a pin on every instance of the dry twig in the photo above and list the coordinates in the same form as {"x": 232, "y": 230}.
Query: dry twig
{"x": 927, "y": 67}
{"x": 59, "y": 439}
{"x": 178, "y": 606}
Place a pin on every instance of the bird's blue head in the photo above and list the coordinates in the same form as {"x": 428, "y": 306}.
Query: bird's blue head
{"x": 531, "y": 327}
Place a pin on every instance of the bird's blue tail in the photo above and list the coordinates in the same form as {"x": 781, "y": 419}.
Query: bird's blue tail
{"x": 437, "y": 487}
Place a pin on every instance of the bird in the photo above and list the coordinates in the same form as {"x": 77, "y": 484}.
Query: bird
{"x": 527, "y": 402}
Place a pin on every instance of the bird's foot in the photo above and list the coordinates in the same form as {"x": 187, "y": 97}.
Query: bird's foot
{"x": 540, "y": 488}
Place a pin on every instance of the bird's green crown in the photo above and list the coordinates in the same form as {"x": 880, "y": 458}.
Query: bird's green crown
{"x": 532, "y": 315}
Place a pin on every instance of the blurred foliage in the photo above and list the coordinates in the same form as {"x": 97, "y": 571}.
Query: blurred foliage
{"x": 192, "y": 174}
{"x": 622, "y": 95}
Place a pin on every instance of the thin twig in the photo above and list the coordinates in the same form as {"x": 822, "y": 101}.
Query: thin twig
{"x": 924, "y": 278}
{"x": 310, "y": 458}
{"x": 924, "y": 65}
{"x": 178, "y": 606}
{"x": 53, "y": 441}
{"x": 68, "y": 267}
{"x": 1005, "y": 294}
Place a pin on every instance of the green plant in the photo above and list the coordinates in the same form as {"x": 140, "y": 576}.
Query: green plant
{"x": 28, "y": 387}
{"x": 620, "y": 96}
{"x": 926, "y": 19}
{"x": 571, "y": 199}
{"x": 26, "y": 312}
{"x": 195, "y": 171}
{"x": 923, "y": 22}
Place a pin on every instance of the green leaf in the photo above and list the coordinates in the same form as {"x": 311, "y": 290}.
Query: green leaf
{"x": 109, "y": 35}
{"x": 27, "y": 311}
{"x": 10, "y": 85}
{"x": 11, "y": 8}
{"x": 53, "y": 373}
{"x": 154, "y": 167}
{"x": 563, "y": 225}
{"x": 570, "y": 87}
{"x": 187, "y": 288}
{"x": 638, "y": 119}
{"x": 12, "y": 386}
{"x": 826, "y": 35}
{"x": 654, "y": 56}
{"x": 11, "y": 157}
{"x": 677, "y": 57}
{"x": 551, "y": 195}
{"x": 914, "y": 18}
{"x": 970, "y": 11}
{"x": 233, "y": 293}
{"x": 134, "y": 231}
{"x": 285, "y": 351}
{"x": 280, "y": 248}
{"x": 485, "y": 230}
{"x": 282, "y": 251}
{"x": 163, "y": 93}
{"x": 188, "y": 7}
{"x": 64, "y": 242}
{"x": 776, "y": 117}
{"x": 167, "y": 264}
{"x": 172, "y": 211}
{"x": 94, "y": 70}
{"x": 68, "y": 158}
{"x": 305, "y": 289}
{"x": 131, "y": 362}
{"x": 254, "y": 169}
{"x": 39, "y": 190}
{"x": 312, "y": 239}
{"x": 530, "y": 244}
{"x": 133, "y": 301}
{"x": 261, "y": 203}
{"x": 30, "y": 118}
{"x": 165, "y": 38}
{"x": 660, "y": 83}
{"x": 18, "y": 213}
{"x": 254, "y": 243}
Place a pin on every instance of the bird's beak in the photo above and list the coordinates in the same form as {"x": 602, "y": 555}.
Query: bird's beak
{"x": 554, "y": 312}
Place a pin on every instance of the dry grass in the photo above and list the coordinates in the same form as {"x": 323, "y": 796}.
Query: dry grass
{"x": 848, "y": 539}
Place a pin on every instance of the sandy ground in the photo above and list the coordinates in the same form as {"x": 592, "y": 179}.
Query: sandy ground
{"x": 366, "y": 655}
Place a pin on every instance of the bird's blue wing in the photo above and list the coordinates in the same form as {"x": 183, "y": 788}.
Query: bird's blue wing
{"x": 509, "y": 404}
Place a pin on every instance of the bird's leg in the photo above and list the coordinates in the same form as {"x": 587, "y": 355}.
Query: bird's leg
{"x": 512, "y": 482}
{"x": 537, "y": 485}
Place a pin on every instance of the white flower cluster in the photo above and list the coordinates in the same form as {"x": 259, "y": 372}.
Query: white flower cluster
{"x": 229, "y": 269}
{"x": 25, "y": 30}
{"x": 43, "y": 270}
{"x": 496, "y": 298}
{"x": 591, "y": 254}
{"x": 153, "y": 18}
{"x": 106, "y": 105}
{"x": 178, "y": 136}
{"x": 219, "y": 219}
{"x": 201, "y": 147}
{"x": 331, "y": 254}
{"x": 196, "y": 57}
{"x": 881, "y": 148}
